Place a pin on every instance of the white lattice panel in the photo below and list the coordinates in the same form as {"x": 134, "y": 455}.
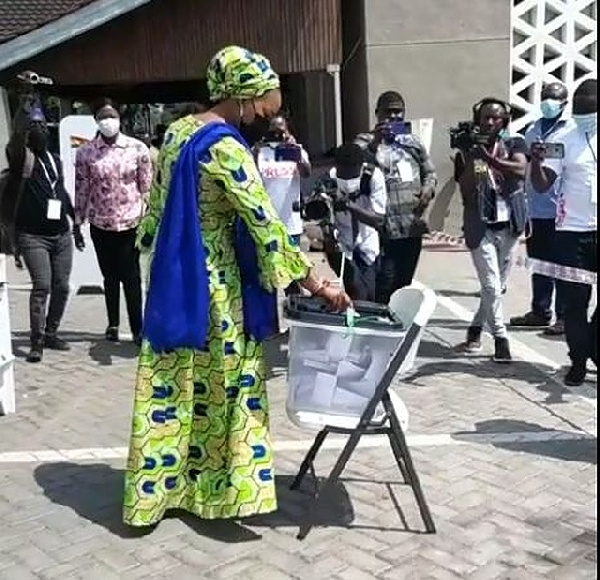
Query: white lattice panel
{"x": 551, "y": 40}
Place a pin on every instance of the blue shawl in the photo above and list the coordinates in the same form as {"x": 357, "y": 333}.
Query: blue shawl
{"x": 178, "y": 301}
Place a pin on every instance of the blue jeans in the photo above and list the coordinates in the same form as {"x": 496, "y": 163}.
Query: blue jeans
{"x": 492, "y": 260}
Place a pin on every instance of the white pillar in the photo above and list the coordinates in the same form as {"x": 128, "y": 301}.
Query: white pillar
{"x": 5, "y": 124}
{"x": 7, "y": 377}
{"x": 334, "y": 71}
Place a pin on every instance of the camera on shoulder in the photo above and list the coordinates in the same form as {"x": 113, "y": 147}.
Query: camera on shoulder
{"x": 467, "y": 135}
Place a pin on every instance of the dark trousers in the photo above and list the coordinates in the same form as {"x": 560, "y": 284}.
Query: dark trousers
{"x": 398, "y": 266}
{"x": 541, "y": 245}
{"x": 579, "y": 250}
{"x": 49, "y": 260}
{"x": 119, "y": 263}
{"x": 360, "y": 278}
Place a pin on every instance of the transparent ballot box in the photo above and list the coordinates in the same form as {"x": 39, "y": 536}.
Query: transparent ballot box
{"x": 334, "y": 369}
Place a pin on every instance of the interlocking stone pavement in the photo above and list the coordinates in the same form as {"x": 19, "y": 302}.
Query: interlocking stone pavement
{"x": 512, "y": 508}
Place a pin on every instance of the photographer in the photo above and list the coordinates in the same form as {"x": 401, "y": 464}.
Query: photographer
{"x": 358, "y": 203}
{"x": 490, "y": 169}
{"x": 542, "y": 211}
{"x": 577, "y": 222}
{"x": 42, "y": 210}
{"x": 410, "y": 182}
{"x": 282, "y": 162}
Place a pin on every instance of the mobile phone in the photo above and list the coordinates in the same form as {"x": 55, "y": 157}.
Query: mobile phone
{"x": 554, "y": 150}
{"x": 400, "y": 128}
{"x": 287, "y": 152}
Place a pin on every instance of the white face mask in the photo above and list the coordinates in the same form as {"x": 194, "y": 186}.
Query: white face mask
{"x": 348, "y": 186}
{"x": 110, "y": 127}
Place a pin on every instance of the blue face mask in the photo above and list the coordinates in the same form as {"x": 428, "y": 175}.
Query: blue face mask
{"x": 551, "y": 108}
{"x": 587, "y": 123}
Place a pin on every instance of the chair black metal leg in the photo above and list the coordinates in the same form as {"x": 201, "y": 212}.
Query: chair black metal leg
{"x": 413, "y": 478}
{"x": 337, "y": 470}
{"x": 387, "y": 404}
{"x": 398, "y": 457}
{"x": 309, "y": 459}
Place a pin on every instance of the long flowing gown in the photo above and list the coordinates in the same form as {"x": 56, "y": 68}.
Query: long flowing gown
{"x": 200, "y": 438}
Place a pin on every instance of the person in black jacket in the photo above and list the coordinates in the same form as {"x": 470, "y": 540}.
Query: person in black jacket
{"x": 42, "y": 210}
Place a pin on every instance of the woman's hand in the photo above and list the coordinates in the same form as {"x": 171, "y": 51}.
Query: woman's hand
{"x": 335, "y": 297}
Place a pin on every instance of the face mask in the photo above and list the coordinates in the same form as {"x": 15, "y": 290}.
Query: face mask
{"x": 109, "y": 128}
{"x": 551, "y": 108}
{"x": 38, "y": 138}
{"x": 348, "y": 186}
{"x": 587, "y": 123}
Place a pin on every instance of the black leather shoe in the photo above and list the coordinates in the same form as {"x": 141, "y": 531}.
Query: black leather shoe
{"x": 112, "y": 334}
{"x": 576, "y": 375}
{"x": 502, "y": 351}
{"x": 52, "y": 342}
{"x": 36, "y": 354}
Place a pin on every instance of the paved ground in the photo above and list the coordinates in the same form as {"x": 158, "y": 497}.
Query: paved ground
{"x": 507, "y": 458}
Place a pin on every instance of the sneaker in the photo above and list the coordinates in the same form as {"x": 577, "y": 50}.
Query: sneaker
{"x": 557, "y": 329}
{"x": 36, "y": 354}
{"x": 473, "y": 343}
{"x": 502, "y": 351}
{"x": 530, "y": 320}
{"x": 112, "y": 334}
{"x": 576, "y": 375}
{"x": 52, "y": 342}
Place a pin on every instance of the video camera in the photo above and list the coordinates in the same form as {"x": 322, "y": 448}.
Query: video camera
{"x": 467, "y": 135}
{"x": 319, "y": 207}
{"x": 33, "y": 79}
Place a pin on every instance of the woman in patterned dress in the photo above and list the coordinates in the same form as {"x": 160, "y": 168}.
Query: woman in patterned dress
{"x": 200, "y": 438}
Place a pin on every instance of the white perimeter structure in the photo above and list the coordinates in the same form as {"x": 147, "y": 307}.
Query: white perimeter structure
{"x": 551, "y": 40}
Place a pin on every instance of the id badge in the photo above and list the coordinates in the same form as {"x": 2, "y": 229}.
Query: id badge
{"x": 54, "y": 209}
{"x": 405, "y": 171}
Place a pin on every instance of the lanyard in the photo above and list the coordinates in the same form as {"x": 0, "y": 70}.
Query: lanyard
{"x": 589, "y": 144}
{"x": 54, "y": 183}
{"x": 553, "y": 128}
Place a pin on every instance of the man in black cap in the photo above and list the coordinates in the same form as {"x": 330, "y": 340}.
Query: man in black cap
{"x": 410, "y": 181}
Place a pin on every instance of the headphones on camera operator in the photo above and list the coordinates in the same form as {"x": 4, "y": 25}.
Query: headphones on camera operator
{"x": 477, "y": 108}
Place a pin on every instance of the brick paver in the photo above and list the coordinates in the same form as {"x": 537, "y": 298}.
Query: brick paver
{"x": 515, "y": 510}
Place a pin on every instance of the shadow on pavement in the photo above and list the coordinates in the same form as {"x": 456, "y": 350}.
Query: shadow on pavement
{"x": 95, "y": 493}
{"x": 448, "y": 361}
{"x": 582, "y": 450}
{"x": 102, "y": 352}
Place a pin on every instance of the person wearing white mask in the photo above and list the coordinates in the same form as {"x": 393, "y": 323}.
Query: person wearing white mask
{"x": 360, "y": 201}
{"x": 576, "y": 224}
{"x": 542, "y": 213}
{"x": 113, "y": 174}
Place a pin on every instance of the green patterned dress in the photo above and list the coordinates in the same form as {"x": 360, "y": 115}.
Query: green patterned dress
{"x": 200, "y": 438}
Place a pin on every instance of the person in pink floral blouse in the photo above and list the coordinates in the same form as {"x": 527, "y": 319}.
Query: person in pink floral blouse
{"x": 113, "y": 174}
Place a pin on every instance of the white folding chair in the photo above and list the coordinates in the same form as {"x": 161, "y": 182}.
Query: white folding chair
{"x": 385, "y": 413}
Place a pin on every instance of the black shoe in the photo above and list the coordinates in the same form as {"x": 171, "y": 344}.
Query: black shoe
{"x": 36, "y": 354}
{"x": 530, "y": 320}
{"x": 52, "y": 342}
{"x": 473, "y": 343}
{"x": 557, "y": 329}
{"x": 137, "y": 340}
{"x": 576, "y": 375}
{"x": 112, "y": 334}
{"x": 502, "y": 351}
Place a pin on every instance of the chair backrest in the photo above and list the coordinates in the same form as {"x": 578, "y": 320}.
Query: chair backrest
{"x": 413, "y": 305}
